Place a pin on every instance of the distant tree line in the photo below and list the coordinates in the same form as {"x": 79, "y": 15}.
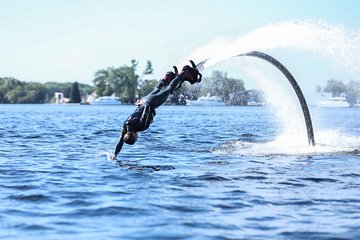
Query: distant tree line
{"x": 128, "y": 85}
{"x": 16, "y": 91}
{"x": 351, "y": 90}
{"x": 232, "y": 91}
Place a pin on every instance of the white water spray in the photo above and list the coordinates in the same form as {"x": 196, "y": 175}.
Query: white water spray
{"x": 334, "y": 42}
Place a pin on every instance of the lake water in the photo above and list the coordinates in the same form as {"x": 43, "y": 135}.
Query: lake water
{"x": 196, "y": 173}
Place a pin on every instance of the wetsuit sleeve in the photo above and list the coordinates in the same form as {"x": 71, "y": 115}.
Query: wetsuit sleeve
{"x": 120, "y": 143}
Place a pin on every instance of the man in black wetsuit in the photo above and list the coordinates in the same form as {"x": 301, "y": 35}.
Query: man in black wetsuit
{"x": 142, "y": 117}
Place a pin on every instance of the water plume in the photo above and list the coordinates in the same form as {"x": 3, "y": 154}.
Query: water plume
{"x": 334, "y": 42}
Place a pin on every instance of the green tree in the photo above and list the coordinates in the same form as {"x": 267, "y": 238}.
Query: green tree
{"x": 146, "y": 87}
{"x": 335, "y": 87}
{"x": 353, "y": 92}
{"x": 126, "y": 82}
{"x": 148, "y": 69}
{"x": 32, "y": 92}
{"x": 75, "y": 93}
{"x": 318, "y": 89}
{"x": 122, "y": 81}
{"x": 193, "y": 92}
{"x": 178, "y": 97}
{"x": 100, "y": 81}
{"x": 15, "y": 91}
{"x": 230, "y": 90}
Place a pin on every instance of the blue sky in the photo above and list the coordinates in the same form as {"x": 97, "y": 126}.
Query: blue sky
{"x": 68, "y": 40}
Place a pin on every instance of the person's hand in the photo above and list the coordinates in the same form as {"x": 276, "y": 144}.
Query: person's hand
{"x": 112, "y": 157}
{"x": 138, "y": 102}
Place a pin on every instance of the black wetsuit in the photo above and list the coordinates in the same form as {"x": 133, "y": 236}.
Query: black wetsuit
{"x": 142, "y": 117}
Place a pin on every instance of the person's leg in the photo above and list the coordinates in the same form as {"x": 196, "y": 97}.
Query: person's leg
{"x": 159, "y": 98}
{"x": 158, "y": 87}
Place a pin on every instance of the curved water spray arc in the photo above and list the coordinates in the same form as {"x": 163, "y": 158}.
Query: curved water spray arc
{"x": 294, "y": 84}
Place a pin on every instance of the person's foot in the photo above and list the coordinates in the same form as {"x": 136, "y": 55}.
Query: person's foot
{"x": 191, "y": 74}
{"x": 169, "y": 76}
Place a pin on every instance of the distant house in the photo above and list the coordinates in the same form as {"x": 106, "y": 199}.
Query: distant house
{"x": 59, "y": 97}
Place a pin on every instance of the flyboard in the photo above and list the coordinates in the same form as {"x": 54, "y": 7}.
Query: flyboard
{"x": 309, "y": 127}
{"x": 200, "y": 66}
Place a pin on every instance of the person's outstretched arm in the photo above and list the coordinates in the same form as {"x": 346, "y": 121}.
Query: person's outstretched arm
{"x": 119, "y": 145}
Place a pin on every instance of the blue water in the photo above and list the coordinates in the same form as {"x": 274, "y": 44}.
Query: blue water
{"x": 196, "y": 173}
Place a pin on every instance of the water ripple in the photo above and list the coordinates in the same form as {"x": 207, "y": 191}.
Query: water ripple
{"x": 207, "y": 225}
{"x": 311, "y": 235}
{"x": 319, "y": 180}
{"x": 209, "y": 177}
{"x": 108, "y": 211}
{"x": 182, "y": 208}
{"x": 233, "y": 207}
{"x": 31, "y": 198}
{"x": 32, "y": 227}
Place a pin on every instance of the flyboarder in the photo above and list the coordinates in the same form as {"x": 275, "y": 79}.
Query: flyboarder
{"x": 143, "y": 115}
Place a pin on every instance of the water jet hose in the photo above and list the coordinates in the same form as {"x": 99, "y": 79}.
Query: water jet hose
{"x": 294, "y": 84}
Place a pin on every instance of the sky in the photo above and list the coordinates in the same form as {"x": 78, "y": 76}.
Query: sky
{"x": 69, "y": 40}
